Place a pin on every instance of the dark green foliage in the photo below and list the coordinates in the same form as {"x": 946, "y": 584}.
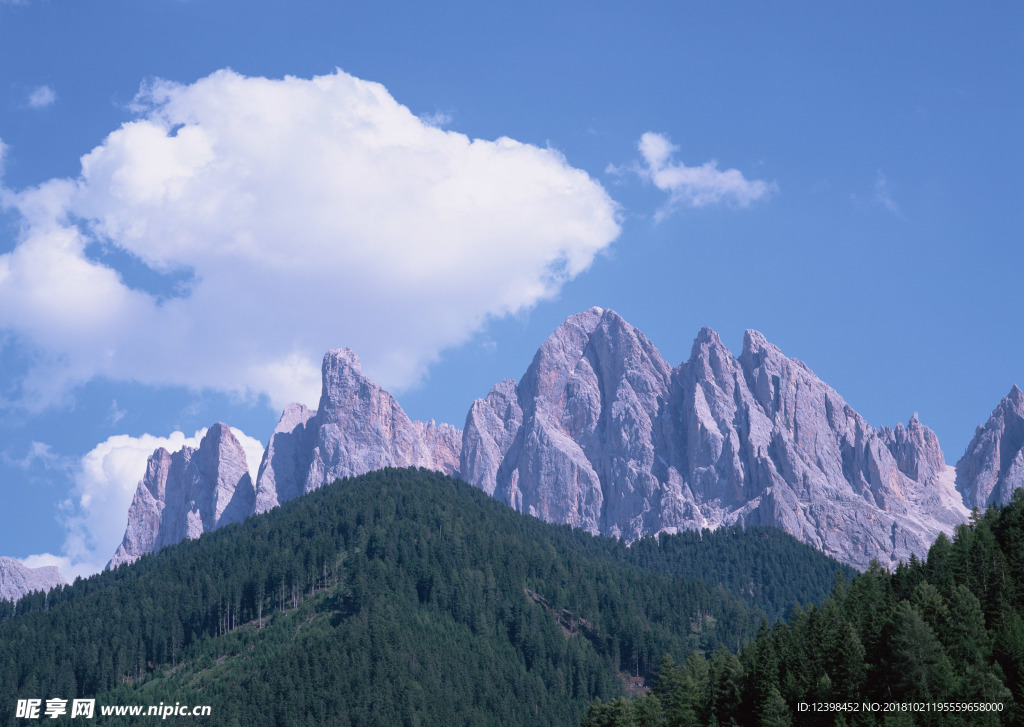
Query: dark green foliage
{"x": 405, "y": 597}
{"x": 948, "y": 630}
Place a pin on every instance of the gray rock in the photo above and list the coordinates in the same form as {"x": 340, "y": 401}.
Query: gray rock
{"x": 358, "y": 428}
{"x": 188, "y": 493}
{"x": 443, "y": 443}
{"x": 17, "y": 579}
{"x": 915, "y": 449}
{"x": 286, "y": 460}
{"x": 602, "y": 434}
{"x": 993, "y": 465}
{"x": 491, "y": 427}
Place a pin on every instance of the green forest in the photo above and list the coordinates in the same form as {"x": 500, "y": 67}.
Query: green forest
{"x": 404, "y": 597}
{"x": 939, "y": 642}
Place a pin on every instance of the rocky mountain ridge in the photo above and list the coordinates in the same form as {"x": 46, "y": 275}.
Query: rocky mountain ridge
{"x": 358, "y": 427}
{"x": 17, "y": 579}
{"x": 602, "y": 433}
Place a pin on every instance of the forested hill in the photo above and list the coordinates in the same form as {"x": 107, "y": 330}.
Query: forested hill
{"x": 398, "y": 597}
{"x": 944, "y": 636}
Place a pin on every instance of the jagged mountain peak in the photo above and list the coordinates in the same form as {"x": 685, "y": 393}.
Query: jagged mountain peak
{"x": 342, "y": 372}
{"x": 602, "y": 434}
{"x": 755, "y": 342}
{"x": 915, "y": 448}
{"x": 707, "y": 339}
{"x": 186, "y": 493}
{"x": 342, "y": 358}
{"x": 709, "y": 358}
{"x": 590, "y": 349}
{"x": 357, "y": 428}
{"x": 992, "y": 467}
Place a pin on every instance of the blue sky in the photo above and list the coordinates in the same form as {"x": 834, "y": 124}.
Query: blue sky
{"x": 189, "y": 218}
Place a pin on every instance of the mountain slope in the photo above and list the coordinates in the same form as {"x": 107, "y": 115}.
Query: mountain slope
{"x": 937, "y": 642}
{"x": 366, "y": 596}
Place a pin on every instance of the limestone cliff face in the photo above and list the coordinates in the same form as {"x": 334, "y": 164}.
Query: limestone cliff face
{"x": 184, "y": 494}
{"x": 993, "y": 465}
{"x": 602, "y": 434}
{"x": 17, "y": 579}
{"x": 358, "y": 428}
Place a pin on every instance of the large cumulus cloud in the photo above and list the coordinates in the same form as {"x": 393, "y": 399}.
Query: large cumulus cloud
{"x": 274, "y": 219}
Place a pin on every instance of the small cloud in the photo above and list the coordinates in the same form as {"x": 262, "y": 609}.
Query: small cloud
{"x": 692, "y": 186}
{"x": 116, "y": 412}
{"x": 42, "y": 97}
{"x": 883, "y": 195}
{"x": 488, "y": 344}
{"x": 39, "y": 454}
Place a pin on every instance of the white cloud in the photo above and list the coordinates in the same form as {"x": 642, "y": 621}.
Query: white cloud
{"x": 39, "y": 454}
{"x": 693, "y": 186}
{"x": 116, "y": 413}
{"x": 883, "y": 195}
{"x": 42, "y": 97}
{"x": 105, "y": 480}
{"x": 311, "y": 214}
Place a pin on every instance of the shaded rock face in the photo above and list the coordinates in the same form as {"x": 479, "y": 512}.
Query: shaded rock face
{"x": 993, "y": 465}
{"x": 601, "y": 433}
{"x": 285, "y": 465}
{"x": 17, "y": 579}
{"x": 358, "y": 428}
{"x": 184, "y": 494}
